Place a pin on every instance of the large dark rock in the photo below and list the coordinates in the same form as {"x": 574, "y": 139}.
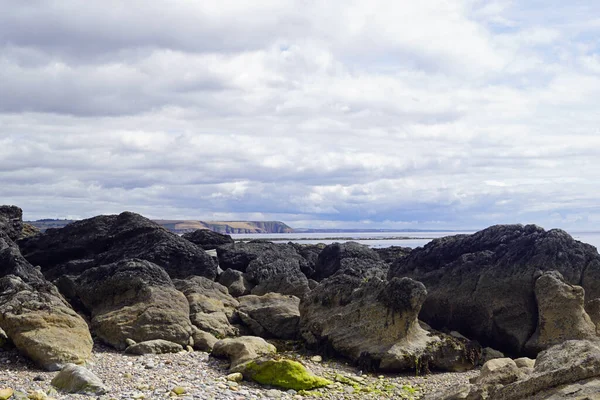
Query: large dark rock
{"x": 134, "y": 299}
{"x": 271, "y": 316}
{"x": 392, "y": 253}
{"x": 11, "y": 221}
{"x": 310, "y": 252}
{"x": 482, "y": 285}
{"x": 271, "y": 267}
{"x": 34, "y": 315}
{"x": 207, "y": 239}
{"x": 111, "y": 238}
{"x": 374, "y": 323}
{"x": 340, "y": 256}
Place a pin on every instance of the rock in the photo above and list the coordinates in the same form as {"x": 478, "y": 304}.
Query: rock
{"x": 111, "y": 238}
{"x": 28, "y": 231}
{"x": 212, "y": 309}
{"x": 157, "y": 346}
{"x": 271, "y": 267}
{"x": 6, "y": 394}
{"x": 310, "y": 252}
{"x": 286, "y": 374}
{"x": 36, "y": 318}
{"x": 203, "y": 341}
{"x": 374, "y": 323}
{"x": 561, "y": 314}
{"x": 207, "y": 239}
{"x": 499, "y": 371}
{"x": 482, "y": 285}
{"x": 488, "y": 354}
{"x": 134, "y": 299}
{"x": 11, "y": 221}
{"x": 272, "y": 315}
{"x": 570, "y": 370}
{"x": 236, "y": 282}
{"x": 525, "y": 362}
{"x": 343, "y": 256}
{"x": 76, "y": 379}
{"x": 592, "y": 307}
{"x": 235, "y": 377}
{"x": 242, "y": 349}
{"x": 392, "y": 253}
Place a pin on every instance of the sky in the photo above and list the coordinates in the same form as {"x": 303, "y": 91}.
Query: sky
{"x": 436, "y": 114}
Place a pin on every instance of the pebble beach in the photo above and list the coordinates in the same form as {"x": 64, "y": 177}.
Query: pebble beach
{"x": 196, "y": 375}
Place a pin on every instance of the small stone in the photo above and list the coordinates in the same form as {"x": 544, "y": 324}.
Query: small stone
{"x": 316, "y": 359}
{"x": 130, "y": 342}
{"x": 37, "y": 395}
{"x": 273, "y": 393}
{"x": 6, "y": 394}
{"x": 179, "y": 390}
{"x": 235, "y": 377}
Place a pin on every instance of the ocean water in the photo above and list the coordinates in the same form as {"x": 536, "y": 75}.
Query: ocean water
{"x": 383, "y": 239}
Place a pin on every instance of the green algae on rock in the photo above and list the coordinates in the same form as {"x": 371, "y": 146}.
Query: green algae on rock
{"x": 283, "y": 373}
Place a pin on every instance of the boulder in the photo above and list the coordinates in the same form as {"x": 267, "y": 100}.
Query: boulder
{"x": 11, "y": 221}
{"x": 207, "y": 239}
{"x": 282, "y": 373}
{"x": 236, "y": 282}
{"x": 341, "y": 256}
{"x": 203, "y": 341}
{"x": 374, "y": 323}
{"x": 212, "y": 309}
{"x": 561, "y": 313}
{"x": 242, "y": 349}
{"x": 271, "y": 267}
{"x": 482, "y": 285}
{"x": 134, "y": 299}
{"x": 36, "y": 318}
{"x": 272, "y": 315}
{"x": 111, "y": 238}
{"x": 77, "y": 379}
{"x": 310, "y": 252}
{"x": 3, "y": 338}
{"x": 156, "y": 346}
{"x": 499, "y": 371}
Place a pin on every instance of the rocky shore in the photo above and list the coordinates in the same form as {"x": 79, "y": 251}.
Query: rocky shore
{"x": 117, "y": 307}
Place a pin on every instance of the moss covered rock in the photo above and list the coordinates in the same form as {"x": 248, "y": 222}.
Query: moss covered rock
{"x": 286, "y": 374}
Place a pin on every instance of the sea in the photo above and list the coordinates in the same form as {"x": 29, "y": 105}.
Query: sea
{"x": 383, "y": 239}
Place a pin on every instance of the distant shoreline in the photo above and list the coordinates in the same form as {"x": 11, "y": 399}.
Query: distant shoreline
{"x": 344, "y": 238}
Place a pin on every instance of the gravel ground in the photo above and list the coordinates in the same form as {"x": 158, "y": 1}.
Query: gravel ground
{"x": 203, "y": 377}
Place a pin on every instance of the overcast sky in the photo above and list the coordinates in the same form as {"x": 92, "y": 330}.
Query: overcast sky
{"x": 363, "y": 114}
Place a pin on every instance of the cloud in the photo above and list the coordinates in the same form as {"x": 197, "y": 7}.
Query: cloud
{"x": 438, "y": 114}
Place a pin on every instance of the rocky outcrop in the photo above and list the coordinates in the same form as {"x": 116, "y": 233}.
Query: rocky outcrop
{"x": 374, "y": 323}
{"x": 207, "y": 239}
{"x": 11, "y": 221}
{"x": 212, "y": 309}
{"x": 270, "y": 267}
{"x": 271, "y": 316}
{"x": 342, "y": 256}
{"x": 482, "y": 285}
{"x": 570, "y": 370}
{"x": 134, "y": 299}
{"x": 561, "y": 314}
{"x": 111, "y": 238}
{"x": 392, "y": 254}
{"x": 310, "y": 252}
{"x": 36, "y": 318}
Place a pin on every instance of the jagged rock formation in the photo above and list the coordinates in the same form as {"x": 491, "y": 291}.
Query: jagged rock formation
{"x": 111, "y": 238}
{"x": 33, "y": 314}
{"x": 134, "y": 299}
{"x": 340, "y": 256}
{"x": 374, "y": 323}
{"x": 270, "y": 267}
{"x": 207, "y": 239}
{"x": 482, "y": 285}
{"x": 393, "y": 253}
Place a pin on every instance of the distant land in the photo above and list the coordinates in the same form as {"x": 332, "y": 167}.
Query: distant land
{"x": 244, "y": 227}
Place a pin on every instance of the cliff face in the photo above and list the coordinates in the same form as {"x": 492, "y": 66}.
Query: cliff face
{"x": 183, "y": 226}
